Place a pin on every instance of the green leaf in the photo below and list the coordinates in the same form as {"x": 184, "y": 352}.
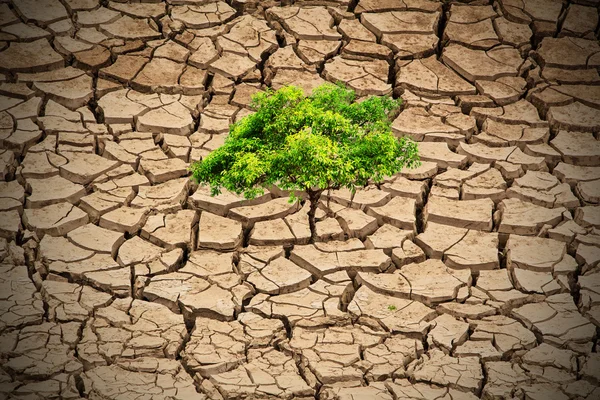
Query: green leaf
{"x": 317, "y": 142}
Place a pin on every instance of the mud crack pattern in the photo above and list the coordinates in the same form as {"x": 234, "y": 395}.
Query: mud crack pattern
{"x": 475, "y": 275}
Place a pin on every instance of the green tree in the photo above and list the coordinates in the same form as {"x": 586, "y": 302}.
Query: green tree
{"x": 315, "y": 143}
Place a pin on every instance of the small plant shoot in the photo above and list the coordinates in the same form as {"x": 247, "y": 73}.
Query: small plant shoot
{"x": 316, "y": 143}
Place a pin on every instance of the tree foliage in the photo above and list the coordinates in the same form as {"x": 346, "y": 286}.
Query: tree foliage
{"x": 308, "y": 143}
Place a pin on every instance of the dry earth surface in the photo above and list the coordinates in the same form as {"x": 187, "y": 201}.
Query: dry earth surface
{"x": 475, "y": 275}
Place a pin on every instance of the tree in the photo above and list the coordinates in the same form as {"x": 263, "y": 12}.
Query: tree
{"x": 325, "y": 141}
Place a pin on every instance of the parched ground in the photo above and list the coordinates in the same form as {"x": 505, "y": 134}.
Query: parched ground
{"x": 473, "y": 276}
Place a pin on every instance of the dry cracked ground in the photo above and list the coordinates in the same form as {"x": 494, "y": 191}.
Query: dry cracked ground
{"x": 475, "y": 275}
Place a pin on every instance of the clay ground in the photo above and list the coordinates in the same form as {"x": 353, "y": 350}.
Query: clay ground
{"x": 473, "y": 276}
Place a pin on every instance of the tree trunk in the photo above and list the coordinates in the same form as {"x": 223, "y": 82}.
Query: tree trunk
{"x": 313, "y": 197}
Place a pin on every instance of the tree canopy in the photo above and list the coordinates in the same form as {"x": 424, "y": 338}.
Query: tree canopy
{"x": 323, "y": 141}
